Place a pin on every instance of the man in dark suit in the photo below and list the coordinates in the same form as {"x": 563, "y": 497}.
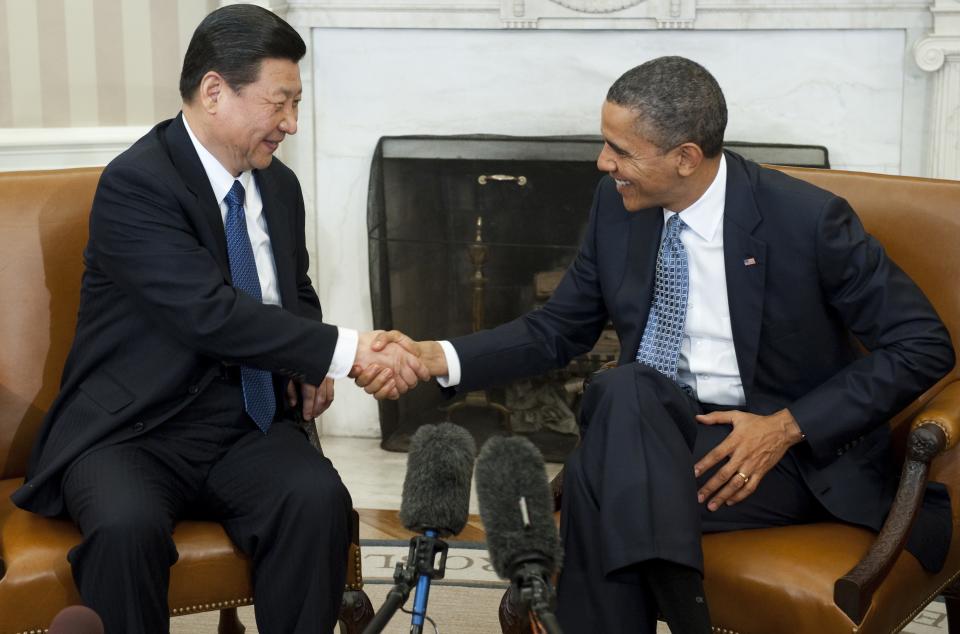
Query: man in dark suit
{"x": 198, "y": 331}
{"x": 740, "y": 399}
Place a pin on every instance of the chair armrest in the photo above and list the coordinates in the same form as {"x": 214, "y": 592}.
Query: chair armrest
{"x": 934, "y": 430}
{"x": 943, "y": 410}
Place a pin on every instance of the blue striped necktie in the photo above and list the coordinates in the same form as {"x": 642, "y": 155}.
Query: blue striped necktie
{"x": 258, "y": 398}
{"x": 660, "y": 345}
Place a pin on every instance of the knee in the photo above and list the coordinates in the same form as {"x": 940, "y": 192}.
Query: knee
{"x": 320, "y": 499}
{"x": 610, "y": 380}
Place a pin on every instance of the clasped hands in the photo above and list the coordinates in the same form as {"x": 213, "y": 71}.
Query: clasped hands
{"x": 387, "y": 365}
{"x": 390, "y": 363}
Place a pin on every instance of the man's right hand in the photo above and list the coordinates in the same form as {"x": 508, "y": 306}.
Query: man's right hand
{"x": 430, "y": 354}
{"x": 390, "y": 368}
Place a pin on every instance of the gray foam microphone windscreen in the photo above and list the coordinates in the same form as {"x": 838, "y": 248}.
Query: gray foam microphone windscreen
{"x": 436, "y": 489}
{"x": 510, "y": 470}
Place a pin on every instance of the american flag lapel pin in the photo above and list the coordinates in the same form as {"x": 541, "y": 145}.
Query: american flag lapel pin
{"x": 750, "y": 261}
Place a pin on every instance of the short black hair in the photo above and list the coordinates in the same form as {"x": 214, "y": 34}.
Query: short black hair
{"x": 677, "y": 101}
{"x": 233, "y": 41}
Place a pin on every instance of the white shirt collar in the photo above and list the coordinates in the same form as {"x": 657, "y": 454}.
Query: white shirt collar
{"x": 220, "y": 179}
{"x": 706, "y": 214}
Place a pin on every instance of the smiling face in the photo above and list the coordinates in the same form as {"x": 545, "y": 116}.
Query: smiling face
{"x": 248, "y": 125}
{"x": 646, "y": 175}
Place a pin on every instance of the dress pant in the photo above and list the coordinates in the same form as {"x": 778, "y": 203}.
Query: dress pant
{"x": 630, "y": 496}
{"x": 280, "y": 501}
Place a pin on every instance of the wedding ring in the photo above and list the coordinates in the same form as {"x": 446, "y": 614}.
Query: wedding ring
{"x": 745, "y": 477}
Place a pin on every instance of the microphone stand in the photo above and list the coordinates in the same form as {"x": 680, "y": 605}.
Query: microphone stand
{"x": 536, "y": 594}
{"x": 426, "y": 560}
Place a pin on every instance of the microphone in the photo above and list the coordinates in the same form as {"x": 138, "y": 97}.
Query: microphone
{"x": 76, "y": 619}
{"x": 516, "y": 508}
{"x": 436, "y": 501}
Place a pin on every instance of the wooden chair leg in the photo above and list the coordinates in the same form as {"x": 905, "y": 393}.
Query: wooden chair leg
{"x": 951, "y": 596}
{"x": 356, "y": 612}
{"x": 230, "y": 622}
{"x": 512, "y": 621}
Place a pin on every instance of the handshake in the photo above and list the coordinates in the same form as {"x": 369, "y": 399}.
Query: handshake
{"x": 389, "y": 364}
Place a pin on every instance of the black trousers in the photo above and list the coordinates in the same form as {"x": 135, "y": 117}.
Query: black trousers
{"x": 280, "y": 501}
{"x": 630, "y": 496}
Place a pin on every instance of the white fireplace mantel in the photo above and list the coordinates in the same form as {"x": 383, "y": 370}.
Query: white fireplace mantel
{"x": 608, "y": 14}
{"x": 877, "y": 81}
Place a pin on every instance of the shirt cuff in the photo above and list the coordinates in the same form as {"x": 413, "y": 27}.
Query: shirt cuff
{"x": 344, "y": 353}
{"x": 453, "y": 366}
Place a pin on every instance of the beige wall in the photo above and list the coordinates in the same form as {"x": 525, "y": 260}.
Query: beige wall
{"x": 73, "y": 63}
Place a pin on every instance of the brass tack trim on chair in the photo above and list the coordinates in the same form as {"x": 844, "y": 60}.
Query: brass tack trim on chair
{"x": 943, "y": 428}
{"x": 722, "y": 630}
{"x": 209, "y": 607}
{"x": 926, "y": 601}
{"x": 358, "y": 571}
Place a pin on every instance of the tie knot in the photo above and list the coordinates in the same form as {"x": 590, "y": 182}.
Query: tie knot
{"x": 235, "y": 195}
{"x": 674, "y": 226}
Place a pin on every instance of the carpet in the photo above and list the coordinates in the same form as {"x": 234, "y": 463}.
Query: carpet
{"x": 465, "y": 601}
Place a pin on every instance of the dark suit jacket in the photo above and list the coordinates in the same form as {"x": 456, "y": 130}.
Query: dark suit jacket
{"x": 818, "y": 279}
{"x": 158, "y": 315}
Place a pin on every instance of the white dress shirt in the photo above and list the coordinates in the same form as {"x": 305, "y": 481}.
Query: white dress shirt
{"x": 221, "y": 181}
{"x": 708, "y": 360}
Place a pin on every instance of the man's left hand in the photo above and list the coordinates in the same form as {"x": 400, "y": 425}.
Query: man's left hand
{"x": 756, "y": 445}
{"x": 316, "y": 399}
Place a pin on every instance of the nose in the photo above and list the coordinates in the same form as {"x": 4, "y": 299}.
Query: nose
{"x": 605, "y": 161}
{"x": 288, "y": 125}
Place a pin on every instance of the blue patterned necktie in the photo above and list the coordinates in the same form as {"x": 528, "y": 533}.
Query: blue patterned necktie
{"x": 258, "y": 398}
{"x": 660, "y": 345}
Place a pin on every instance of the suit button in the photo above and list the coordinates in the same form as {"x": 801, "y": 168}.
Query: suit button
{"x": 138, "y": 427}
{"x": 193, "y": 389}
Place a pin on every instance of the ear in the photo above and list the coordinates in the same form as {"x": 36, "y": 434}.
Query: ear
{"x": 211, "y": 90}
{"x": 689, "y": 159}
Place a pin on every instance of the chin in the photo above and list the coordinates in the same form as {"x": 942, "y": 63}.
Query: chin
{"x": 632, "y": 204}
{"x": 262, "y": 163}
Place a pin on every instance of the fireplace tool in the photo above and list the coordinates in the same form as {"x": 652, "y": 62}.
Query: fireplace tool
{"x": 479, "y": 398}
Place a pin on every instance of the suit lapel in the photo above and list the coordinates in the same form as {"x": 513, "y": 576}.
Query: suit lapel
{"x": 187, "y": 163}
{"x": 278, "y": 221}
{"x": 745, "y": 259}
{"x": 636, "y": 291}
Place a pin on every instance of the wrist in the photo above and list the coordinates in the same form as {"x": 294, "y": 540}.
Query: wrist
{"x": 791, "y": 429}
{"x": 434, "y": 358}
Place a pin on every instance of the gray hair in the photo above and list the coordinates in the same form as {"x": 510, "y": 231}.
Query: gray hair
{"x": 676, "y": 101}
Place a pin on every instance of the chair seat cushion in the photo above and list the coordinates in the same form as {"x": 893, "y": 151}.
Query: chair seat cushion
{"x": 756, "y": 583}
{"x": 210, "y": 573}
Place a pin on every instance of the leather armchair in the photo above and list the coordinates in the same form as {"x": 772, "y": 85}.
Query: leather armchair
{"x": 43, "y": 229}
{"x": 831, "y": 577}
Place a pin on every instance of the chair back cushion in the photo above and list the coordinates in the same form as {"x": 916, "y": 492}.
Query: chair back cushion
{"x": 917, "y": 220}
{"x": 43, "y": 230}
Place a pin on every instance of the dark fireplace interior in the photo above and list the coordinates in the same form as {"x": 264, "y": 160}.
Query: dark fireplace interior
{"x": 468, "y": 232}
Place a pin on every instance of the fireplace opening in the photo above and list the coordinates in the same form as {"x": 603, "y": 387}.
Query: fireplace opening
{"x": 468, "y": 232}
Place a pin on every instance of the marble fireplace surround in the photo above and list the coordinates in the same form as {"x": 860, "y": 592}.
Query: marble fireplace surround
{"x": 876, "y": 81}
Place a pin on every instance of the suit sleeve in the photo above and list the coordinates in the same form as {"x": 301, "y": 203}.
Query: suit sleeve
{"x": 909, "y": 348}
{"x": 568, "y": 325}
{"x": 142, "y": 239}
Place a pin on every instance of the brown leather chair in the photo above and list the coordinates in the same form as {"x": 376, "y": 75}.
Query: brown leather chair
{"x": 43, "y": 229}
{"x": 831, "y": 577}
